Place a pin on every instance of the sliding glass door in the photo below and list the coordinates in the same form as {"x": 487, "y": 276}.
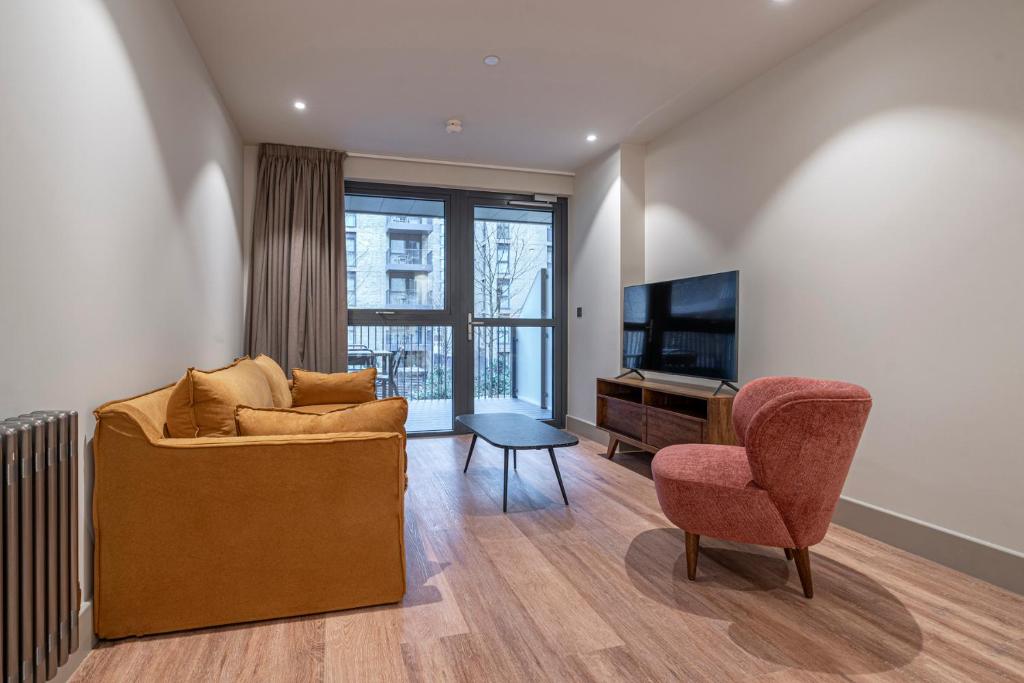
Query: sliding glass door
{"x": 458, "y": 299}
{"x": 513, "y": 309}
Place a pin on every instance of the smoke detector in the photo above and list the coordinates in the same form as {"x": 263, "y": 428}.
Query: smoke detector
{"x": 453, "y": 126}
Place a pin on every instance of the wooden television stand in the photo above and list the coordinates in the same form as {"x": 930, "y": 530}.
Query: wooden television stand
{"x": 651, "y": 415}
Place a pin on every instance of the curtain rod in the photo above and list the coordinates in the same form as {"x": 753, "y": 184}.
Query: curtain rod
{"x": 414, "y": 160}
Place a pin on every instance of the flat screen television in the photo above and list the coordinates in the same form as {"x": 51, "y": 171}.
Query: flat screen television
{"x": 683, "y": 327}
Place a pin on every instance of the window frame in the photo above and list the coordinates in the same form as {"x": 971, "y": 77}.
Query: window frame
{"x": 458, "y": 300}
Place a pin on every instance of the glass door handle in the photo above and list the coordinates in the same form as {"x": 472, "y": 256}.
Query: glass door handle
{"x": 470, "y": 326}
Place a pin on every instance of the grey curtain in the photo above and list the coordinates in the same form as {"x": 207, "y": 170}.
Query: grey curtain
{"x": 297, "y": 311}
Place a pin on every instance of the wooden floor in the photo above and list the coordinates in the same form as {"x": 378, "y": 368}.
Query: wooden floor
{"x": 597, "y": 592}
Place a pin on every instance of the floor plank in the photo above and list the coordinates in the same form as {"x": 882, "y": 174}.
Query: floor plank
{"x": 364, "y": 645}
{"x": 596, "y": 591}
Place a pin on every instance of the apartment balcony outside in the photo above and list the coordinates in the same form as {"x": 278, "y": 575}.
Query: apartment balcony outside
{"x": 407, "y": 299}
{"x": 411, "y": 260}
{"x": 409, "y": 225}
{"x": 417, "y": 362}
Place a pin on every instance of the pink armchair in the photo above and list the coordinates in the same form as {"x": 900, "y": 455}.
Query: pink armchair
{"x": 780, "y": 486}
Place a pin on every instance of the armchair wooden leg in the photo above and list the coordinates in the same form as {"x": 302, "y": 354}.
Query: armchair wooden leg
{"x": 692, "y": 550}
{"x": 803, "y": 568}
{"x": 789, "y": 553}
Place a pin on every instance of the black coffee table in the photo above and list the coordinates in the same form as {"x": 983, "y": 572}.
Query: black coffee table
{"x": 511, "y": 431}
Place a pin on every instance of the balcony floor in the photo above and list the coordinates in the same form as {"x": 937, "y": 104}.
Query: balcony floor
{"x": 435, "y": 415}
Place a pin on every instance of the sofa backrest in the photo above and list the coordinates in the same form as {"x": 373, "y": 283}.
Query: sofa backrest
{"x": 148, "y": 411}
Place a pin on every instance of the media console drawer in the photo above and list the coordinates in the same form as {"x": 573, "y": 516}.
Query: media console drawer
{"x": 650, "y": 414}
{"x": 666, "y": 428}
{"x": 624, "y": 417}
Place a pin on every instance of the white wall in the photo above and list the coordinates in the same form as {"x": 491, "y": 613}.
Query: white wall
{"x": 120, "y": 210}
{"x": 606, "y": 252}
{"x": 871, "y": 191}
{"x": 594, "y": 280}
{"x": 461, "y": 176}
{"x": 632, "y": 207}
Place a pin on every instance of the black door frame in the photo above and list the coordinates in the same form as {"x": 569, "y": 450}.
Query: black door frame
{"x": 458, "y": 289}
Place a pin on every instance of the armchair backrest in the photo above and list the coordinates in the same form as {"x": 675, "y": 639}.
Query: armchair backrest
{"x": 800, "y": 435}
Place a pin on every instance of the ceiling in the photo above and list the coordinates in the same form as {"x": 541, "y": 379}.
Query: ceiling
{"x": 383, "y": 76}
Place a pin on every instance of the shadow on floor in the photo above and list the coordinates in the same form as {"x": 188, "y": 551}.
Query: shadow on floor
{"x": 636, "y": 461}
{"x": 854, "y": 625}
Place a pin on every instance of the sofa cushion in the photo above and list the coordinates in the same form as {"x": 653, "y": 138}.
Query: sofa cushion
{"x": 203, "y": 402}
{"x": 312, "y": 388}
{"x": 321, "y": 408}
{"x": 178, "y": 419}
{"x": 277, "y": 380}
{"x": 386, "y": 415}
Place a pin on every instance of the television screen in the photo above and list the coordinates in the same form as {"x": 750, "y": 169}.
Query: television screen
{"x": 686, "y": 327}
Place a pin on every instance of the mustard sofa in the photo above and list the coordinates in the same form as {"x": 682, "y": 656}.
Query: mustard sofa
{"x": 205, "y": 531}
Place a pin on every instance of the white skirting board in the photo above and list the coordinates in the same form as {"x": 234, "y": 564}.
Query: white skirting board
{"x": 997, "y": 565}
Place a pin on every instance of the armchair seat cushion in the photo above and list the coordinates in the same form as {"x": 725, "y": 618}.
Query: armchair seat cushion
{"x": 709, "y": 490}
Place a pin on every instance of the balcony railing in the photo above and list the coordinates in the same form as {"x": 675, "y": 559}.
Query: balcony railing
{"x": 425, "y": 371}
{"x": 407, "y": 299}
{"x": 412, "y": 260}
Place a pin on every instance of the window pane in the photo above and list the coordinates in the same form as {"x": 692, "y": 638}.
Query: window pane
{"x": 396, "y": 247}
{"x": 414, "y": 361}
{"x": 512, "y": 263}
{"x": 512, "y": 370}
{"x": 350, "y": 250}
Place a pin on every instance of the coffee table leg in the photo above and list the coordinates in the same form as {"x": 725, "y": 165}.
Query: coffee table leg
{"x": 472, "y": 445}
{"x": 515, "y": 459}
{"x": 554, "y": 463}
{"x": 504, "y": 495}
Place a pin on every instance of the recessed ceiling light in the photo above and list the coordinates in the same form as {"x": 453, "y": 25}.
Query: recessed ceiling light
{"x": 299, "y": 104}
{"x": 492, "y": 60}
{"x": 591, "y": 137}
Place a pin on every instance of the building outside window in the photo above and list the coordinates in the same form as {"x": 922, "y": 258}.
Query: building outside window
{"x": 402, "y": 291}
{"x": 503, "y": 257}
{"x": 399, "y": 259}
{"x": 504, "y": 296}
{"x": 350, "y": 249}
